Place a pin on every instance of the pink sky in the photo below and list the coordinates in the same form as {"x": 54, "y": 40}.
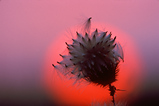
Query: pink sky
{"x": 28, "y": 27}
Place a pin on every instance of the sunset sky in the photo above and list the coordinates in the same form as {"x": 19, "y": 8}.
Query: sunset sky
{"x": 29, "y": 28}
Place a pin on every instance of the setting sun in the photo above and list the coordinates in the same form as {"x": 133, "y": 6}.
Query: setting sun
{"x": 65, "y": 92}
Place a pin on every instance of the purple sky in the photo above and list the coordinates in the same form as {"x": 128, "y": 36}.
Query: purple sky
{"x": 28, "y": 27}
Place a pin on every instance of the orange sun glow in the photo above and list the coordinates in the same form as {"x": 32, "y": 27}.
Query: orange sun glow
{"x": 62, "y": 90}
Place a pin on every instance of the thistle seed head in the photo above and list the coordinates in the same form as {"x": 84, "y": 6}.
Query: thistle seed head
{"x": 93, "y": 57}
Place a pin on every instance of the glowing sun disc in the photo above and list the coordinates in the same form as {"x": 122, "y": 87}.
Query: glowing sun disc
{"x": 64, "y": 92}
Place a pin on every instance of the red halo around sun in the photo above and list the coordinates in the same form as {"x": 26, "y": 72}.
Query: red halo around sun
{"x": 63, "y": 92}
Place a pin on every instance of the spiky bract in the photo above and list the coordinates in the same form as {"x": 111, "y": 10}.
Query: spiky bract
{"x": 93, "y": 57}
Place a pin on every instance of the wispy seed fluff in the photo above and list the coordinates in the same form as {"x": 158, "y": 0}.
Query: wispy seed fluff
{"x": 93, "y": 57}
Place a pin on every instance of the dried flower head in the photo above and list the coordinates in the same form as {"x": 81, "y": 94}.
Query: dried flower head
{"x": 93, "y": 57}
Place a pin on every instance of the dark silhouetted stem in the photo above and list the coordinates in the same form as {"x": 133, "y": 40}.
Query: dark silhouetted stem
{"x": 112, "y": 92}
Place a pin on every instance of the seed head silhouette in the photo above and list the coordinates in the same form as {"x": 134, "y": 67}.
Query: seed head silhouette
{"x": 93, "y": 56}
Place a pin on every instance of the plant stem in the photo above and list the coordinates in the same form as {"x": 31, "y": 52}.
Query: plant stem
{"x": 112, "y": 92}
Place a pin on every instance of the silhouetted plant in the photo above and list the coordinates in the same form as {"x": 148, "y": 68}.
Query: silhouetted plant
{"x": 93, "y": 57}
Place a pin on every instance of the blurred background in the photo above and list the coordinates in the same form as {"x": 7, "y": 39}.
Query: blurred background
{"x": 29, "y": 27}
